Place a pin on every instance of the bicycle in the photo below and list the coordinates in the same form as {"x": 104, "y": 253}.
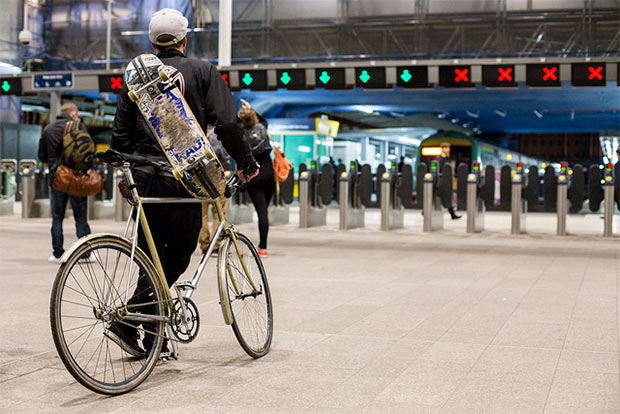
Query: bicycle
{"x": 101, "y": 272}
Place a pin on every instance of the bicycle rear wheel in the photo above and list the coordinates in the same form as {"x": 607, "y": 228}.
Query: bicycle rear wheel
{"x": 246, "y": 295}
{"x": 91, "y": 293}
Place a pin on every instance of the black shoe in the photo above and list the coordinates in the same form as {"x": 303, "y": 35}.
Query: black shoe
{"x": 126, "y": 337}
{"x": 456, "y": 217}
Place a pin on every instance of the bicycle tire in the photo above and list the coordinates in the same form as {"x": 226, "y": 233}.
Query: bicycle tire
{"x": 98, "y": 295}
{"x": 253, "y": 332}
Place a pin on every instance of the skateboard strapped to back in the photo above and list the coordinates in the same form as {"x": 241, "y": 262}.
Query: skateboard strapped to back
{"x": 173, "y": 124}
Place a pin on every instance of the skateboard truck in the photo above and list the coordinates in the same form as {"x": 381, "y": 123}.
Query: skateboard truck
{"x": 200, "y": 168}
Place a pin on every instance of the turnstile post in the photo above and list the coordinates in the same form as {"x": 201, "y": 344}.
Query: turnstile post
{"x": 562, "y": 204}
{"x": 518, "y": 206}
{"x": 608, "y": 210}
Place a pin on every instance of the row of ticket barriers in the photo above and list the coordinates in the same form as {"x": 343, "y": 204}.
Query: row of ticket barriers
{"x": 357, "y": 188}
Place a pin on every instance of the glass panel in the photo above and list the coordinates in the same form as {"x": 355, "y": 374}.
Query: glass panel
{"x": 298, "y": 149}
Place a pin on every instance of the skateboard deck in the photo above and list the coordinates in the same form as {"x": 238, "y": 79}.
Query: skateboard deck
{"x": 174, "y": 126}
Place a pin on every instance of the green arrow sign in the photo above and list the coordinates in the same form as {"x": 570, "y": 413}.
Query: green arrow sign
{"x": 247, "y": 79}
{"x": 406, "y": 76}
{"x": 325, "y": 77}
{"x": 6, "y": 86}
{"x": 364, "y": 77}
{"x": 285, "y": 78}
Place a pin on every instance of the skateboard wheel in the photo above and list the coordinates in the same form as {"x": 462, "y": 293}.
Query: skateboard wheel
{"x": 177, "y": 174}
{"x": 133, "y": 96}
{"x": 209, "y": 154}
{"x": 163, "y": 75}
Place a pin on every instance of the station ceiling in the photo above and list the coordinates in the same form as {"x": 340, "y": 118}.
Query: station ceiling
{"x": 519, "y": 110}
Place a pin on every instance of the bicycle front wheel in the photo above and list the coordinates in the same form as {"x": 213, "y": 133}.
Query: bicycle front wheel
{"x": 244, "y": 292}
{"x": 94, "y": 291}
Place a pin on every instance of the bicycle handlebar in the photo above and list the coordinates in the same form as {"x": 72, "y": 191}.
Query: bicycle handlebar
{"x": 117, "y": 159}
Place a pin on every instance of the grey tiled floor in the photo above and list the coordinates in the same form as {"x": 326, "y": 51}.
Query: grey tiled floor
{"x": 365, "y": 321}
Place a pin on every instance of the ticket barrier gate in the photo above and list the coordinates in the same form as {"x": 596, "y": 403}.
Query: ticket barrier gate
{"x": 98, "y": 206}
{"x": 518, "y": 204}
{"x": 431, "y": 201}
{"x": 475, "y": 203}
{"x": 608, "y": 210}
{"x": 27, "y": 170}
{"x": 349, "y": 199}
{"x": 8, "y": 169}
{"x": 279, "y": 209}
{"x": 561, "y": 199}
{"x": 392, "y": 211}
{"x": 313, "y": 196}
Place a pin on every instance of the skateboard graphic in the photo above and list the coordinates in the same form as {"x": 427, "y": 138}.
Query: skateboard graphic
{"x": 173, "y": 124}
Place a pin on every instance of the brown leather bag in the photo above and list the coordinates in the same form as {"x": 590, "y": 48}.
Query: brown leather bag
{"x": 77, "y": 183}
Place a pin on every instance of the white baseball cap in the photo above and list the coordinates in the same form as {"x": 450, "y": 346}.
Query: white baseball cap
{"x": 170, "y": 22}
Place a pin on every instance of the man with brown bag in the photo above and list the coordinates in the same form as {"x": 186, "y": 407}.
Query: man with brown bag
{"x": 50, "y": 152}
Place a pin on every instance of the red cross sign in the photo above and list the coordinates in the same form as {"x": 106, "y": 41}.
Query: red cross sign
{"x": 505, "y": 74}
{"x": 116, "y": 83}
{"x": 595, "y": 73}
{"x": 550, "y": 73}
{"x": 461, "y": 75}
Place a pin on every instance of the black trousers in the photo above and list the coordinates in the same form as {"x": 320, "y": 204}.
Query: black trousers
{"x": 175, "y": 229}
{"x": 260, "y": 190}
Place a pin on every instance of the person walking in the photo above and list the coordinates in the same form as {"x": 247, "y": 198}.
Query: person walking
{"x": 174, "y": 227}
{"x": 444, "y": 158}
{"x": 50, "y": 152}
{"x": 262, "y": 187}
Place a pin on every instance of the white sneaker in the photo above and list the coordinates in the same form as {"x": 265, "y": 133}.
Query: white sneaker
{"x": 53, "y": 259}
{"x": 91, "y": 258}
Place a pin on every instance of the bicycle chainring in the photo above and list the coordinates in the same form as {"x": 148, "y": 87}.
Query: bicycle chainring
{"x": 184, "y": 333}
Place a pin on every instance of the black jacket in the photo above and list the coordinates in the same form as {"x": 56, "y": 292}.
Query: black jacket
{"x": 50, "y": 145}
{"x": 209, "y": 99}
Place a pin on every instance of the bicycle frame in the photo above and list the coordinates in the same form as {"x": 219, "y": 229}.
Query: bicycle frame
{"x": 185, "y": 290}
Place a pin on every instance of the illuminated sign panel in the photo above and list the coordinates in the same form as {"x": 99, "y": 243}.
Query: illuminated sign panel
{"x": 294, "y": 79}
{"x": 588, "y": 74}
{"x": 330, "y": 78}
{"x": 255, "y": 80}
{"x": 499, "y": 76}
{"x": 370, "y": 77}
{"x": 455, "y": 76}
{"x": 10, "y": 86}
{"x": 543, "y": 74}
{"x": 226, "y": 77}
{"x": 412, "y": 76}
{"x": 110, "y": 83}
{"x": 431, "y": 151}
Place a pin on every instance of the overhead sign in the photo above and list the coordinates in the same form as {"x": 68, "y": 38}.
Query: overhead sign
{"x": 226, "y": 77}
{"x": 543, "y": 74}
{"x": 10, "y": 86}
{"x": 499, "y": 76}
{"x": 588, "y": 74}
{"x": 292, "y": 79}
{"x": 370, "y": 77}
{"x": 110, "y": 83}
{"x": 330, "y": 78}
{"x": 455, "y": 76}
{"x": 53, "y": 81}
{"x": 412, "y": 76}
{"x": 255, "y": 80}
